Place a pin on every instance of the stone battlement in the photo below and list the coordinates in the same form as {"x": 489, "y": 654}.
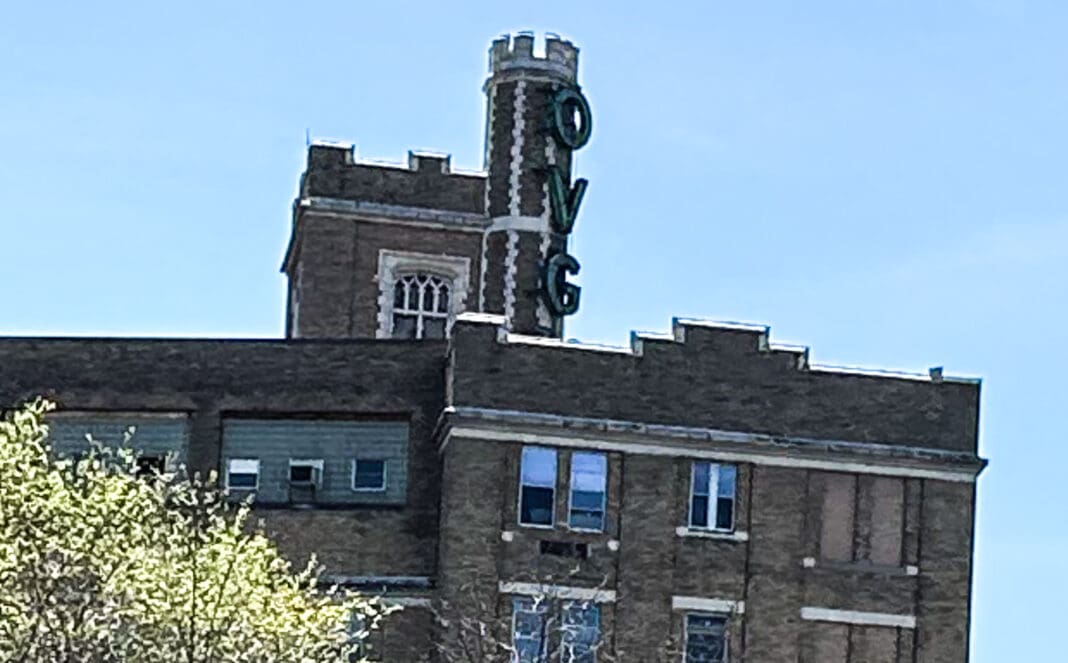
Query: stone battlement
{"x": 737, "y": 339}
{"x": 427, "y": 180}
{"x": 510, "y": 53}
{"x": 718, "y": 375}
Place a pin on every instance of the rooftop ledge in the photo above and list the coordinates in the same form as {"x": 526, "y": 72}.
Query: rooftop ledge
{"x": 339, "y": 153}
{"x": 680, "y": 327}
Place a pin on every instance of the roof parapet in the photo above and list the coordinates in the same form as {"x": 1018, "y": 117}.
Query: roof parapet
{"x": 727, "y": 337}
{"x": 435, "y": 162}
{"x": 508, "y": 53}
{"x": 332, "y": 154}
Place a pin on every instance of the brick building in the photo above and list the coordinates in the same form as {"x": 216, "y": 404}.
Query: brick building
{"x": 425, "y": 431}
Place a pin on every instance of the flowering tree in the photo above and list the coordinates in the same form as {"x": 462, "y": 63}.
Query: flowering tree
{"x": 101, "y": 564}
{"x": 544, "y": 625}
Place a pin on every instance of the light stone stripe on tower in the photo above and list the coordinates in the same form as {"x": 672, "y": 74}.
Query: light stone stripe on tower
{"x": 510, "y": 270}
{"x": 516, "y": 165}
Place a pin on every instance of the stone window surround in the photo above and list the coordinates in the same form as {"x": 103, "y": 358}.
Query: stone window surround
{"x": 456, "y": 270}
{"x": 729, "y": 609}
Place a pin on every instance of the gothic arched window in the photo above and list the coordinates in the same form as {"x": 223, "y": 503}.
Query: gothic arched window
{"x": 420, "y": 306}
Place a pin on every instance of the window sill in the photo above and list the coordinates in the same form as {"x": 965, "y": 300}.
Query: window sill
{"x": 536, "y": 526}
{"x": 324, "y": 506}
{"x": 736, "y": 537}
{"x": 584, "y": 531}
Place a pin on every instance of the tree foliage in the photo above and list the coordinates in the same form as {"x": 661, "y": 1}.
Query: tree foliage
{"x": 100, "y": 564}
{"x": 480, "y": 624}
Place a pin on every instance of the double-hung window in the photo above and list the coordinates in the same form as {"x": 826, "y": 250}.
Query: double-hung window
{"x": 706, "y": 638}
{"x": 588, "y": 478}
{"x": 529, "y": 638}
{"x": 712, "y": 490}
{"x": 580, "y": 632}
{"x": 537, "y": 486}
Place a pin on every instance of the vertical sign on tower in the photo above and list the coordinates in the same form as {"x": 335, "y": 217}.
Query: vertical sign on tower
{"x": 570, "y": 122}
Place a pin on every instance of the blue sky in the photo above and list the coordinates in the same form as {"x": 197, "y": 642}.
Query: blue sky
{"x": 883, "y": 181}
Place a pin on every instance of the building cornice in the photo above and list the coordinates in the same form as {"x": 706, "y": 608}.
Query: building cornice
{"x": 385, "y": 213}
{"x": 714, "y": 444}
{"x": 381, "y": 213}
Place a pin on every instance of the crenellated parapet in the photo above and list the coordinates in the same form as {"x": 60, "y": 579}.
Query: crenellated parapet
{"x": 427, "y": 180}
{"x": 511, "y": 54}
{"x": 726, "y": 376}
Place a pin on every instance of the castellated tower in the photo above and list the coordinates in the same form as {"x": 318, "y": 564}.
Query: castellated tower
{"x": 523, "y": 91}
{"x": 398, "y": 251}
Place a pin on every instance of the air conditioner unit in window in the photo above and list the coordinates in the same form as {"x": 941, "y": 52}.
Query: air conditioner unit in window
{"x": 305, "y": 478}
{"x": 312, "y": 480}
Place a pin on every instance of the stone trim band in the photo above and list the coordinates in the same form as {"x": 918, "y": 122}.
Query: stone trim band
{"x": 700, "y": 604}
{"x": 564, "y": 592}
{"x": 858, "y": 618}
{"x": 772, "y": 460}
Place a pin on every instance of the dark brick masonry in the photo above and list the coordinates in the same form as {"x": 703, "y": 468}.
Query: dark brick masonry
{"x": 854, "y": 503}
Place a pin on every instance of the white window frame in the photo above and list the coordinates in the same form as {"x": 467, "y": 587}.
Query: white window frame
{"x": 385, "y": 475}
{"x": 251, "y": 462}
{"x": 712, "y": 509}
{"x": 571, "y": 493}
{"x": 519, "y": 496}
{"x": 686, "y": 633}
{"x": 454, "y": 270}
{"x": 317, "y": 470}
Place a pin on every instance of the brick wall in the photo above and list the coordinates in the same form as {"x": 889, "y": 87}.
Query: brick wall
{"x": 779, "y": 516}
{"x": 332, "y": 173}
{"x": 212, "y": 379}
{"x": 717, "y": 379}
